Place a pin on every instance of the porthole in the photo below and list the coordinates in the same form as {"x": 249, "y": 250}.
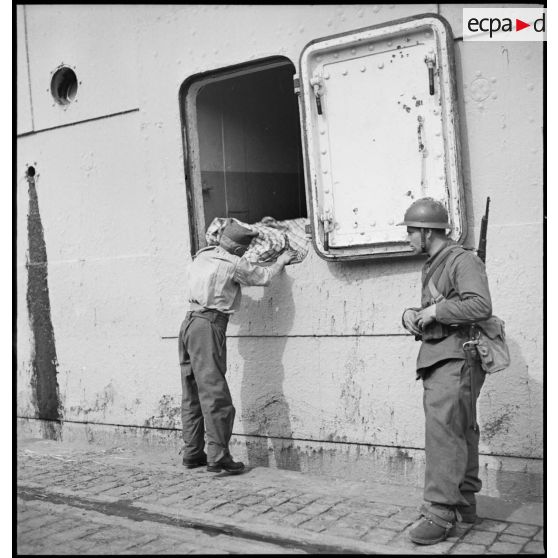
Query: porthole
{"x": 64, "y": 85}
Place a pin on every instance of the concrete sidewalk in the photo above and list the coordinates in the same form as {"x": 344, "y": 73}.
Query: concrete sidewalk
{"x": 282, "y": 511}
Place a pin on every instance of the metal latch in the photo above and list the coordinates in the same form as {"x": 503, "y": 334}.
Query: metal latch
{"x": 327, "y": 221}
{"x": 316, "y": 84}
{"x": 296, "y": 84}
{"x": 430, "y": 62}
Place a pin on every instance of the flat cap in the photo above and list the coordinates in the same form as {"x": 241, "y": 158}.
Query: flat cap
{"x": 239, "y": 234}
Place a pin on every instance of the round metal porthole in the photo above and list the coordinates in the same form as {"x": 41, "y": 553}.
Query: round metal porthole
{"x": 64, "y": 85}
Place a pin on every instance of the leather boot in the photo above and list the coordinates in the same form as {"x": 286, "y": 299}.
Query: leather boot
{"x": 192, "y": 463}
{"x": 468, "y": 513}
{"x": 226, "y": 463}
{"x": 436, "y": 523}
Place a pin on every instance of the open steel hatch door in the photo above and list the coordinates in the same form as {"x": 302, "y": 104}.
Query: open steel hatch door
{"x": 380, "y": 130}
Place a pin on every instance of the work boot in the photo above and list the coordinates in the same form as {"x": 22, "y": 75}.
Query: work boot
{"x": 227, "y": 464}
{"x": 192, "y": 463}
{"x": 435, "y": 526}
{"x": 468, "y": 513}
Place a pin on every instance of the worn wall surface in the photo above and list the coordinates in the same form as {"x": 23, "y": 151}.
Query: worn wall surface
{"x": 321, "y": 354}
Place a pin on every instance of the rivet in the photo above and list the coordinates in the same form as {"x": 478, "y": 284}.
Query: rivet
{"x": 435, "y": 111}
{"x": 335, "y": 55}
{"x": 373, "y": 224}
{"x": 439, "y": 156}
{"x": 322, "y": 132}
{"x": 325, "y": 171}
{"x": 478, "y": 74}
{"x": 391, "y": 221}
{"x": 427, "y": 34}
{"x": 326, "y": 191}
{"x": 324, "y": 151}
{"x": 441, "y": 177}
{"x": 363, "y": 69}
{"x": 494, "y": 95}
{"x": 389, "y": 43}
{"x": 353, "y": 51}
{"x": 319, "y": 58}
{"x": 345, "y": 72}
{"x": 380, "y": 65}
{"x": 370, "y": 47}
{"x": 493, "y": 80}
{"x": 355, "y": 225}
{"x": 437, "y": 134}
{"x": 301, "y": 30}
{"x": 326, "y": 76}
{"x": 531, "y": 87}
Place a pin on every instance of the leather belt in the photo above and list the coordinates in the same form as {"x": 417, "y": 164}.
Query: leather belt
{"x": 210, "y": 314}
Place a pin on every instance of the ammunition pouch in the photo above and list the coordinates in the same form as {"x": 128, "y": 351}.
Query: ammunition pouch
{"x": 435, "y": 331}
{"x": 489, "y": 336}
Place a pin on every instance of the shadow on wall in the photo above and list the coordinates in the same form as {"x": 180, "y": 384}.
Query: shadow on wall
{"x": 354, "y": 271}
{"x": 265, "y": 411}
{"x": 510, "y": 401}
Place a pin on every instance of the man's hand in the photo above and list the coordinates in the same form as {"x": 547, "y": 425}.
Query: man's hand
{"x": 287, "y": 257}
{"x": 410, "y": 320}
{"x": 426, "y": 316}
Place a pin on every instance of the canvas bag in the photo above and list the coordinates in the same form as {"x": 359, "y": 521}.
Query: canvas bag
{"x": 489, "y": 335}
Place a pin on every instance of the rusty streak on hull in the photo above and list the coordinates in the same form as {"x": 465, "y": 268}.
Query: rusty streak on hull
{"x": 44, "y": 362}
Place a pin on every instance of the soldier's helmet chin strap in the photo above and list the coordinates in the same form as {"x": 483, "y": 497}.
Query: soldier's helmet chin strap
{"x": 422, "y": 241}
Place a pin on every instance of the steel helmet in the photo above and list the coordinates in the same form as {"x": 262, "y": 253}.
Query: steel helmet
{"x": 426, "y": 213}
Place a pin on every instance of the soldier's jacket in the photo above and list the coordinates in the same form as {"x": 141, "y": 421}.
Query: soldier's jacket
{"x": 463, "y": 283}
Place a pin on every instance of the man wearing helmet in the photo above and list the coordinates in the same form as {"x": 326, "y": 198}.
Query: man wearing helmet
{"x": 215, "y": 279}
{"x": 455, "y": 295}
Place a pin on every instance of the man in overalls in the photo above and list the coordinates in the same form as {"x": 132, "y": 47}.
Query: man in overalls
{"x": 214, "y": 286}
{"x": 455, "y": 295}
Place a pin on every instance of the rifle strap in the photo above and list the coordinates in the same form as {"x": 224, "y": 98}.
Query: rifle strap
{"x": 441, "y": 259}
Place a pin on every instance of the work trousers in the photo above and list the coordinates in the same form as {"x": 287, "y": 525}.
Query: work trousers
{"x": 451, "y": 431}
{"x": 206, "y": 399}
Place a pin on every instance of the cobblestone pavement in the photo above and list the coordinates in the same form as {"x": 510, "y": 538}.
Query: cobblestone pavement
{"x": 88, "y": 499}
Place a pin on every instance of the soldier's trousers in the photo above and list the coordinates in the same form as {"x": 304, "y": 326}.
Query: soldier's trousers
{"x": 451, "y": 439}
{"x": 206, "y": 399}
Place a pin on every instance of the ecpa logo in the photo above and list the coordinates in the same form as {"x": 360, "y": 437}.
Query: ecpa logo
{"x": 504, "y": 24}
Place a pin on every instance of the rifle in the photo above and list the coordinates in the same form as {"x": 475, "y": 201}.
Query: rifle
{"x": 481, "y": 250}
